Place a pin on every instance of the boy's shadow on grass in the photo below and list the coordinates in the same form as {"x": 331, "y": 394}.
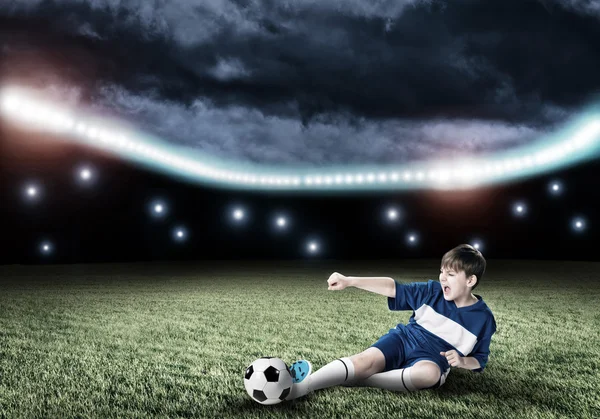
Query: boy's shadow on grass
{"x": 506, "y": 388}
{"x": 509, "y": 388}
{"x": 500, "y": 384}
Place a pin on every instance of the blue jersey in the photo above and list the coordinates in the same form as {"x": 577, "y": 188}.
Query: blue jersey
{"x": 438, "y": 325}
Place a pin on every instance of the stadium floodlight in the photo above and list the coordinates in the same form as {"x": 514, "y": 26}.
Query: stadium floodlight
{"x": 158, "y": 208}
{"x": 412, "y": 239}
{"x": 238, "y": 214}
{"x": 578, "y": 224}
{"x": 46, "y": 247}
{"x": 313, "y": 247}
{"x": 85, "y": 175}
{"x": 477, "y": 244}
{"x": 281, "y": 222}
{"x": 555, "y": 188}
{"x": 519, "y": 209}
{"x": 444, "y": 176}
{"x": 10, "y": 103}
{"x": 577, "y": 142}
{"x": 32, "y": 192}
{"x": 180, "y": 234}
{"x": 393, "y": 214}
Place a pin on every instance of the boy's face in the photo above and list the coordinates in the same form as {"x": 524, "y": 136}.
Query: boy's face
{"x": 455, "y": 284}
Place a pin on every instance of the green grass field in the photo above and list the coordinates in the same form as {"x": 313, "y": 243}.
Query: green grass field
{"x": 173, "y": 340}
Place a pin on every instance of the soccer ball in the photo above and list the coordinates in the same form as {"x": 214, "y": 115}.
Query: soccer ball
{"x": 268, "y": 380}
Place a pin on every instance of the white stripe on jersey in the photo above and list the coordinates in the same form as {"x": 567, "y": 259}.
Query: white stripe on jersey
{"x": 446, "y": 329}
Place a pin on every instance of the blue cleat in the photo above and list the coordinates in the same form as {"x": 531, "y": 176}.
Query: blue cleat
{"x": 300, "y": 371}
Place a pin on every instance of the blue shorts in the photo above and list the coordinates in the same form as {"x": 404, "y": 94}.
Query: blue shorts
{"x": 401, "y": 350}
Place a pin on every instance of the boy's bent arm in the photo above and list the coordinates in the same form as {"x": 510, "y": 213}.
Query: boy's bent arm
{"x": 466, "y": 362}
{"x": 379, "y": 285}
{"x": 470, "y": 363}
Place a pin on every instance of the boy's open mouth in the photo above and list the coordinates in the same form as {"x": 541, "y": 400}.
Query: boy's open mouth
{"x": 446, "y": 289}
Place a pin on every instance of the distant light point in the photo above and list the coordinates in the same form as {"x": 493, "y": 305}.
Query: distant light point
{"x": 238, "y": 214}
{"x": 519, "y": 209}
{"x": 180, "y": 234}
{"x": 555, "y": 188}
{"x": 32, "y": 192}
{"x": 158, "y": 209}
{"x": 46, "y": 248}
{"x": 578, "y": 224}
{"x": 412, "y": 239}
{"x": 85, "y": 174}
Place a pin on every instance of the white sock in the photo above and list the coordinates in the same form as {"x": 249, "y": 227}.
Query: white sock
{"x": 335, "y": 373}
{"x": 395, "y": 380}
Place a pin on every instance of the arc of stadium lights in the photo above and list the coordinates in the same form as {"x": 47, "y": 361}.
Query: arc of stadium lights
{"x": 581, "y": 144}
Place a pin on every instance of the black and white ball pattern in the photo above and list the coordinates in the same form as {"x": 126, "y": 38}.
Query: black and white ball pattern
{"x": 268, "y": 380}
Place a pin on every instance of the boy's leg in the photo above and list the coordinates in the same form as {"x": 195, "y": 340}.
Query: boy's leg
{"x": 422, "y": 375}
{"x": 340, "y": 371}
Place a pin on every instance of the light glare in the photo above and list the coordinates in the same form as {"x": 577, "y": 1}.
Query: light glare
{"x": 46, "y": 248}
{"x": 85, "y": 174}
{"x": 28, "y": 110}
{"x": 519, "y": 209}
{"x": 412, "y": 239}
{"x": 578, "y": 224}
{"x": 180, "y": 234}
{"x": 159, "y": 208}
{"x": 238, "y": 214}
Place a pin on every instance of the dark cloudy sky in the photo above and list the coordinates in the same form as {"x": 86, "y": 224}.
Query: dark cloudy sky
{"x": 298, "y": 82}
{"x": 317, "y": 81}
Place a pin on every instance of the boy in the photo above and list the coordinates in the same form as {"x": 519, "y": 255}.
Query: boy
{"x": 449, "y": 326}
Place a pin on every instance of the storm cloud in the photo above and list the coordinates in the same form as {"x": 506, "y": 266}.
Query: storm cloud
{"x": 314, "y": 82}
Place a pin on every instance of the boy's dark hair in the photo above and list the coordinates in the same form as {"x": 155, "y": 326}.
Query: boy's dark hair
{"x": 465, "y": 257}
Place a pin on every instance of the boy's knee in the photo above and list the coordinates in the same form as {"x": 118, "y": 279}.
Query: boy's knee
{"x": 368, "y": 362}
{"x": 425, "y": 374}
{"x": 361, "y": 361}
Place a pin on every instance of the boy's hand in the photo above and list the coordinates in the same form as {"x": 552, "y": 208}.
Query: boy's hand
{"x": 337, "y": 282}
{"x": 454, "y": 359}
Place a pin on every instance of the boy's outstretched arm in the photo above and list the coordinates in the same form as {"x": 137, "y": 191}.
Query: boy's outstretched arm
{"x": 379, "y": 285}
